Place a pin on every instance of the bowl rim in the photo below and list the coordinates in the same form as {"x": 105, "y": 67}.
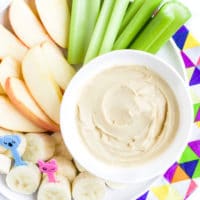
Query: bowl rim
{"x": 72, "y": 138}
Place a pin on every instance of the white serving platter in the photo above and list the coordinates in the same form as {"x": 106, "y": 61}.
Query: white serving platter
{"x": 169, "y": 53}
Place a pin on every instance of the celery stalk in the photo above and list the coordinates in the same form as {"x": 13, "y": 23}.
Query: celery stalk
{"x": 113, "y": 27}
{"x": 181, "y": 15}
{"x": 158, "y": 25}
{"x": 136, "y": 24}
{"x": 99, "y": 31}
{"x": 132, "y": 10}
{"x": 83, "y": 19}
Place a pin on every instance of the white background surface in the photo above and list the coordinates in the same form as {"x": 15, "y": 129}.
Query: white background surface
{"x": 193, "y": 25}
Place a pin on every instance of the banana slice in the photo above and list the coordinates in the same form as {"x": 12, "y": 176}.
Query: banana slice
{"x": 61, "y": 149}
{"x": 22, "y": 146}
{"x": 116, "y": 186}
{"x": 5, "y": 164}
{"x": 57, "y": 137}
{"x": 24, "y": 179}
{"x": 51, "y": 191}
{"x": 39, "y": 147}
{"x": 79, "y": 167}
{"x": 66, "y": 168}
{"x": 88, "y": 187}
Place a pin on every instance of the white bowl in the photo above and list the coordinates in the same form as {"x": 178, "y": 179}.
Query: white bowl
{"x": 72, "y": 137}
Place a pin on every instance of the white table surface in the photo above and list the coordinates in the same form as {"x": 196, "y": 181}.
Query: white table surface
{"x": 193, "y": 25}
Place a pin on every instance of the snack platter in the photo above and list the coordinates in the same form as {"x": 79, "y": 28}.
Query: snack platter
{"x": 169, "y": 53}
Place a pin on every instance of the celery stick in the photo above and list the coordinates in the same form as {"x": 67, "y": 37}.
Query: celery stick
{"x": 136, "y": 24}
{"x": 181, "y": 14}
{"x": 132, "y": 10}
{"x": 113, "y": 25}
{"x": 159, "y": 24}
{"x": 83, "y": 18}
{"x": 99, "y": 30}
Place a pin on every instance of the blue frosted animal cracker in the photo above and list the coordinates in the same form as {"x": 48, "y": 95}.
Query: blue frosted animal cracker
{"x": 12, "y": 142}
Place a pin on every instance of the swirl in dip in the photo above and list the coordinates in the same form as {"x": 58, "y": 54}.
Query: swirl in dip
{"x": 127, "y": 115}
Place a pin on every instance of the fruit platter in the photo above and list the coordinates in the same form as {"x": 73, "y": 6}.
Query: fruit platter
{"x": 43, "y": 44}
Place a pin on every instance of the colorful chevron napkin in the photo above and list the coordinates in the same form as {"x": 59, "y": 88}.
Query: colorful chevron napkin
{"x": 178, "y": 182}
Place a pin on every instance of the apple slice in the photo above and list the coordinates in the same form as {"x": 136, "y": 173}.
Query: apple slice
{"x": 41, "y": 84}
{"x": 1, "y": 90}
{"x": 12, "y": 119}
{"x": 61, "y": 70}
{"x": 10, "y": 45}
{"x": 55, "y": 17}
{"x": 32, "y": 5}
{"x": 9, "y": 67}
{"x": 23, "y": 101}
{"x": 25, "y": 24}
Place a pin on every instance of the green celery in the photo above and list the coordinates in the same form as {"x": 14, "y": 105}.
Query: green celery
{"x": 83, "y": 19}
{"x": 136, "y": 24}
{"x": 132, "y": 10}
{"x": 99, "y": 31}
{"x": 181, "y": 15}
{"x": 158, "y": 25}
{"x": 113, "y": 27}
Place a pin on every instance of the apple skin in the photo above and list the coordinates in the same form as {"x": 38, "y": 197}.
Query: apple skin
{"x": 10, "y": 45}
{"x": 12, "y": 119}
{"x": 55, "y": 16}
{"x": 25, "y": 24}
{"x": 23, "y": 101}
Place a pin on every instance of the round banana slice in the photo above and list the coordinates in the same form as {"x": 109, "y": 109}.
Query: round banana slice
{"x": 39, "y": 147}
{"x": 61, "y": 149}
{"x": 51, "y": 191}
{"x": 24, "y": 179}
{"x": 57, "y": 137}
{"x": 5, "y": 164}
{"x": 79, "y": 167}
{"x": 88, "y": 187}
{"x": 66, "y": 168}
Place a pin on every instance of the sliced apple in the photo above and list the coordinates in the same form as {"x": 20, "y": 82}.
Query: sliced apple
{"x": 12, "y": 119}
{"x": 23, "y": 101}
{"x": 32, "y": 5}
{"x": 55, "y": 17}
{"x": 61, "y": 71}
{"x": 9, "y": 67}
{"x": 1, "y": 90}
{"x": 25, "y": 24}
{"x": 10, "y": 45}
{"x": 41, "y": 84}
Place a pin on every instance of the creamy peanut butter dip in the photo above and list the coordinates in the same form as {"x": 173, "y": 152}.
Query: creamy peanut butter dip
{"x": 127, "y": 115}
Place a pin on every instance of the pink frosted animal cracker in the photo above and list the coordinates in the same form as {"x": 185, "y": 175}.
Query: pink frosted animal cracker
{"x": 48, "y": 168}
